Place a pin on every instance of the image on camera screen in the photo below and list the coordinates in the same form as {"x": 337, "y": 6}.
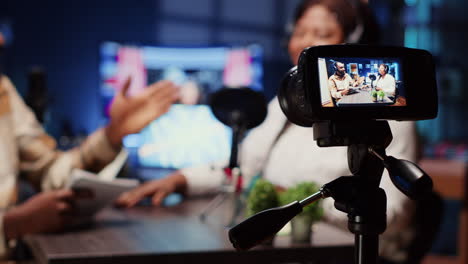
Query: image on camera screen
{"x": 360, "y": 82}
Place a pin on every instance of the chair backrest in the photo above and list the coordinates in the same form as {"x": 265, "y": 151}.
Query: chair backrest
{"x": 427, "y": 220}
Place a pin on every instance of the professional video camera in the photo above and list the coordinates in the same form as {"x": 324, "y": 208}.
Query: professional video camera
{"x": 305, "y": 95}
{"x": 336, "y": 90}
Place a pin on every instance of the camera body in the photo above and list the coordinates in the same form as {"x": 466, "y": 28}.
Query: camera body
{"x": 360, "y": 82}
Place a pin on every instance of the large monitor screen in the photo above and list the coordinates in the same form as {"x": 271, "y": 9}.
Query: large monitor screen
{"x": 360, "y": 82}
{"x": 189, "y": 134}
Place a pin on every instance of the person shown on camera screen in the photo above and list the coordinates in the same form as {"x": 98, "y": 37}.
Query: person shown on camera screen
{"x": 286, "y": 154}
{"x": 385, "y": 82}
{"x": 340, "y": 81}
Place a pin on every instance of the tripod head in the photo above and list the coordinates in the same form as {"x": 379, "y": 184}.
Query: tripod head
{"x": 373, "y": 137}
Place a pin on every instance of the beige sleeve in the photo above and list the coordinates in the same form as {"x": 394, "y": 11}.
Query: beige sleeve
{"x": 333, "y": 89}
{"x": 349, "y": 80}
{"x": 39, "y": 159}
{"x": 92, "y": 155}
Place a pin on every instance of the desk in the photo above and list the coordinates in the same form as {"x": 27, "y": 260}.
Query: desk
{"x": 176, "y": 235}
{"x": 362, "y": 97}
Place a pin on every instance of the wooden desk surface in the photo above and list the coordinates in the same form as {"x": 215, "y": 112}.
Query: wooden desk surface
{"x": 363, "y": 97}
{"x": 177, "y": 235}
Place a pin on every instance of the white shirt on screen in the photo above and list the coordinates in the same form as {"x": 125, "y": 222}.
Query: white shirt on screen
{"x": 387, "y": 84}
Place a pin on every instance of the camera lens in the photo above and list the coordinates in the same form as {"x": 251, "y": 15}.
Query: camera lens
{"x": 292, "y": 99}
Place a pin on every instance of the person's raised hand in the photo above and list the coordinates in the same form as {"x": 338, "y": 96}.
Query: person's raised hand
{"x": 130, "y": 114}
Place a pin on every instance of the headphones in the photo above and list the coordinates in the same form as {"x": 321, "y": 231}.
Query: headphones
{"x": 292, "y": 98}
{"x": 386, "y": 68}
{"x": 335, "y": 66}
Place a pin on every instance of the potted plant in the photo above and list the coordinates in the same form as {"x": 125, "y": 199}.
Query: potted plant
{"x": 381, "y": 95}
{"x": 301, "y": 225}
{"x": 374, "y": 96}
{"x": 262, "y": 196}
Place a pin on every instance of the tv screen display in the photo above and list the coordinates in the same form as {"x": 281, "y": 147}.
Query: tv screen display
{"x": 189, "y": 134}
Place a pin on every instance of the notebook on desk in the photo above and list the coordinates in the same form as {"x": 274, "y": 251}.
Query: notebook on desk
{"x": 97, "y": 191}
{"x": 352, "y": 91}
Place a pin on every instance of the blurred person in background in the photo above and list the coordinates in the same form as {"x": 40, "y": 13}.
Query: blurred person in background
{"x": 286, "y": 154}
{"x": 26, "y": 149}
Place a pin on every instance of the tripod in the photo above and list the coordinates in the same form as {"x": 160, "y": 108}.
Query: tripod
{"x": 358, "y": 195}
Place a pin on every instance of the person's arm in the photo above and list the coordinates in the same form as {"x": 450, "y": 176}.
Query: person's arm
{"x": 351, "y": 82}
{"x": 40, "y": 161}
{"x": 334, "y": 89}
{"x": 47, "y": 168}
{"x": 208, "y": 178}
{"x": 45, "y": 212}
{"x": 203, "y": 179}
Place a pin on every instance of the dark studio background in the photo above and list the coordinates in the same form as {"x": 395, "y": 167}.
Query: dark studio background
{"x": 63, "y": 39}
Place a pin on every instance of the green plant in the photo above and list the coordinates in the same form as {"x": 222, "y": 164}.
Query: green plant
{"x": 381, "y": 93}
{"x": 374, "y": 93}
{"x": 262, "y": 196}
{"x": 299, "y": 192}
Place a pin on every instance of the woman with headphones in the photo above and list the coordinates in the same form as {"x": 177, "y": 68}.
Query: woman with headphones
{"x": 286, "y": 154}
{"x": 385, "y": 81}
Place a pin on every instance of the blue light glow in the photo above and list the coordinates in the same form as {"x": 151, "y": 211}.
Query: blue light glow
{"x": 424, "y": 12}
{"x": 188, "y": 135}
{"x": 411, "y": 2}
{"x": 411, "y": 37}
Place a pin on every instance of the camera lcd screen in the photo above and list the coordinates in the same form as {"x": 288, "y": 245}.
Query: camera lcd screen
{"x": 361, "y": 82}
